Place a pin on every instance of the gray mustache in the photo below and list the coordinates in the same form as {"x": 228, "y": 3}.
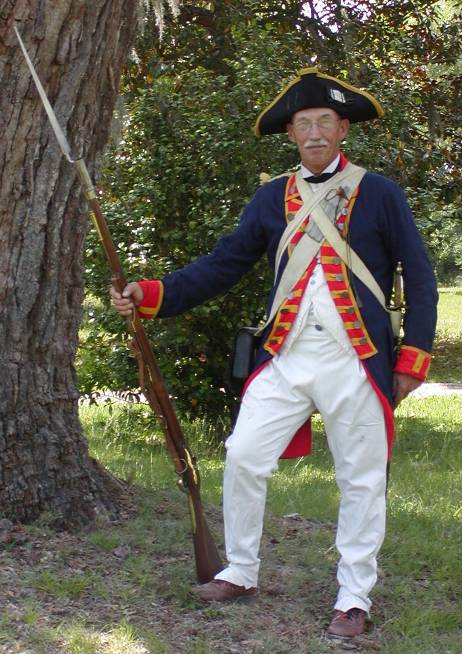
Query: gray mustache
{"x": 310, "y": 143}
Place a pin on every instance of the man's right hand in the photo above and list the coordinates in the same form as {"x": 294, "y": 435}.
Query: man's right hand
{"x": 130, "y": 298}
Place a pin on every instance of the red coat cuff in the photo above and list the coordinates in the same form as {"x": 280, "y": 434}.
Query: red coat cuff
{"x": 413, "y": 362}
{"x": 153, "y": 290}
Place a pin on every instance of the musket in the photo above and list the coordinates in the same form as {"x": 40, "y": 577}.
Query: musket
{"x": 208, "y": 561}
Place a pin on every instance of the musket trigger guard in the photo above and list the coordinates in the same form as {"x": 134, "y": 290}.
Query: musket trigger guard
{"x": 181, "y": 473}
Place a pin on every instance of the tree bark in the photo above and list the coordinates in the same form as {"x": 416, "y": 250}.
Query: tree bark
{"x": 79, "y": 48}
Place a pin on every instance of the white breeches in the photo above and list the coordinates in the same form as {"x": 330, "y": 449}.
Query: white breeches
{"x": 316, "y": 372}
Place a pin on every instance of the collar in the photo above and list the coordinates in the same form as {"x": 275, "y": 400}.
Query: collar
{"x": 330, "y": 168}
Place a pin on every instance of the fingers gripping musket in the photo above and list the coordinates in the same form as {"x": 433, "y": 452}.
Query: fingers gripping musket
{"x": 208, "y": 561}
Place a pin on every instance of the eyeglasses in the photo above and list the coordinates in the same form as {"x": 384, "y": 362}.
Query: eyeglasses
{"x": 324, "y": 124}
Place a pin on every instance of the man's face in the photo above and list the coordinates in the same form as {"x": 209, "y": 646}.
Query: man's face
{"x": 317, "y": 133}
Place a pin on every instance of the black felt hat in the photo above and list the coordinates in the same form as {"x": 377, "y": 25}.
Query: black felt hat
{"x": 314, "y": 89}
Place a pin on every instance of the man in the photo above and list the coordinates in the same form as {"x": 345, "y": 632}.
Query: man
{"x": 330, "y": 345}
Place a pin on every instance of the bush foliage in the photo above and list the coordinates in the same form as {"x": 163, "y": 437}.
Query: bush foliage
{"x": 187, "y": 160}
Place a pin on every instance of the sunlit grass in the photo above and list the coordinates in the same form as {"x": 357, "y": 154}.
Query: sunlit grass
{"x": 78, "y": 639}
{"x": 447, "y": 352}
{"x": 450, "y": 309}
{"x": 120, "y": 638}
{"x": 123, "y": 639}
{"x": 128, "y": 440}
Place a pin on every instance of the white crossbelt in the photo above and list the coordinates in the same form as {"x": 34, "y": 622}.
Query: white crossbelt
{"x": 346, "y": 252}
{"x": 307, "y": 248}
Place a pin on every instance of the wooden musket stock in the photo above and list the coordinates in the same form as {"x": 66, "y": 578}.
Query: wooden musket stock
{"x": 208, "y": 561}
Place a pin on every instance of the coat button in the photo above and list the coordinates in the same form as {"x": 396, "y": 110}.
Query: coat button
{"x": 318, "y": 327}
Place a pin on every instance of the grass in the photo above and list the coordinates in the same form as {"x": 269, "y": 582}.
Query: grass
{"x": 60, "y": 586}
{"x": 78, "y": 597}
{"x": 447, "y": 353}
{"x": 129, "y": 441}
{"x": 420, "y": 570}
{"x": 125, "y": 588}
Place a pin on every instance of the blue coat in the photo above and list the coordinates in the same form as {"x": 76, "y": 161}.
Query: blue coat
{"x": 382, "y": 232}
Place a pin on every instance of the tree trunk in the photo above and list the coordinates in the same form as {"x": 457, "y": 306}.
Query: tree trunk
{"x": 79, "y": 48}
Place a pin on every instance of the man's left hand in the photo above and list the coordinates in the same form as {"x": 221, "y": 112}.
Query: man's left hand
{"x": 403, "y": 385}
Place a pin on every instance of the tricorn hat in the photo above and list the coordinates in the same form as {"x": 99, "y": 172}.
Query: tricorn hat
{"x": 314, "y": 89}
